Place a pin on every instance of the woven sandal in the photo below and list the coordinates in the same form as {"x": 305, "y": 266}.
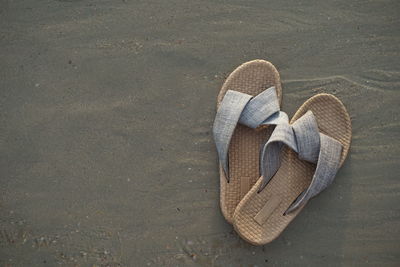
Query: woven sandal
{"x": 249, "y": 98}
{"x": 299, "y": 161}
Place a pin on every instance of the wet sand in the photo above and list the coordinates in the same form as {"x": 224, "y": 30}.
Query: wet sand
{"x": 106, "y": 110}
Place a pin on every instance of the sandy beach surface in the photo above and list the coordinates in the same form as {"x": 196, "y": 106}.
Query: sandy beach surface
{"x": 106, "y": 109}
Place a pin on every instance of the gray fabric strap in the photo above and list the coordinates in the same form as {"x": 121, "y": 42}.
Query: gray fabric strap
{"x": 304, "y": 138}
{"x": 279, "y": 117}
{"x": 225, "y": 122}
{"x": 247, "y": 110}
{"x": 270, "y": 153}
{"x": 328, "y": 164}
{"x": 307, "y": 137}
{"x": 260, "y": 108}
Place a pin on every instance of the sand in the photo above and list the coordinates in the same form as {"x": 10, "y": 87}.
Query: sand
{"x": 106, "y": 109}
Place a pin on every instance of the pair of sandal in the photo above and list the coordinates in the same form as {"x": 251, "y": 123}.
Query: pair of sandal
{"x": 269, "y": 166}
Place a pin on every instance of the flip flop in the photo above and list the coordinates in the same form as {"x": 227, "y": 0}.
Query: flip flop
{"x": 299, "y": 161}
{"x": 249, "y": 98}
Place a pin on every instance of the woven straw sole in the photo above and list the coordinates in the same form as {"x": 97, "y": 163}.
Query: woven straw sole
{"x": 293, "y": 176}
{"x": 251, "y": 78}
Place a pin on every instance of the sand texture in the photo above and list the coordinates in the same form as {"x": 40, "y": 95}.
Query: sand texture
{"x": 106, "y": 109}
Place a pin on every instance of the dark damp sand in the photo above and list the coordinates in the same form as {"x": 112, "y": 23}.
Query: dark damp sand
{"x": 106, "y": 111}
